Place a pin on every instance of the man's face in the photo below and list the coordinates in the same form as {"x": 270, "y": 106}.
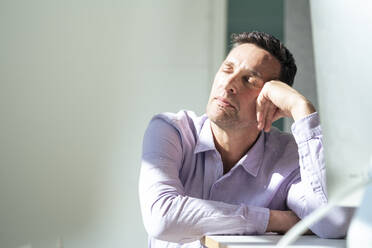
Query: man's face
{"x": 237, "y": 84}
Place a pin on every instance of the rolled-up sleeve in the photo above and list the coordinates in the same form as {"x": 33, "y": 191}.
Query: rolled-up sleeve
{"x": 170, "y": 215}
{"x": 308, "y": 190}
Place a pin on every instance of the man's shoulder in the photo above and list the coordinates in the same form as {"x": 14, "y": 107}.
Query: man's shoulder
{"x": 187, "y": 123}
{"x": 181, "y": 116}
{"x": 183, "y": 119}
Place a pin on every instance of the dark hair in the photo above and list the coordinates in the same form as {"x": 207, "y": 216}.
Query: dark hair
{"x": 275, "y": 47}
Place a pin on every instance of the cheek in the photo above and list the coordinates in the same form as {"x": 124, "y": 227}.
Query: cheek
{"x": 219, "y": 79}
{"x": 250, "y": 95}
{"x": 215, "y": 90}
{"x": 215, "y": 85}
{"x": 248, "y": 100}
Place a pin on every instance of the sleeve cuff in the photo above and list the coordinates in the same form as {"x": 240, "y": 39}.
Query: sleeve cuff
{"x": 257, "y": 218}
{"x": 306, "y": 128}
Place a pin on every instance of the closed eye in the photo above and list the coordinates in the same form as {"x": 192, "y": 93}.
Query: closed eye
{"x": 227, "y": 68}
{"x": 252, "y": 81}
{"x": 245, "y": 79}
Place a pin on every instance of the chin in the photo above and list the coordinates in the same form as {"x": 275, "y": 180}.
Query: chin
{"x": 221, "y": 117}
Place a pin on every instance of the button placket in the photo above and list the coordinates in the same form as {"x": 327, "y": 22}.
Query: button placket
{"x": 218, "y": 173}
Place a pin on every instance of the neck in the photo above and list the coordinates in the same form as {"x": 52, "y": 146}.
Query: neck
{"x": 233, "y": 144}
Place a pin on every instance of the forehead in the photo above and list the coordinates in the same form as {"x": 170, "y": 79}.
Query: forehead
{"x": 251, "y": 57}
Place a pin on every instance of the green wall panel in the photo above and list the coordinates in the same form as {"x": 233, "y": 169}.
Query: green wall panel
{"x": 259, "y": 15}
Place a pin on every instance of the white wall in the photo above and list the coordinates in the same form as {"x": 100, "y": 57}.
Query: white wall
{"x": 79, "y": 81}
{"x": 342, "y": 32}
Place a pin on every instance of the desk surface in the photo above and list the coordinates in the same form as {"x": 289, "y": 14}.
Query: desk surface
{"x": 269, "y": 240}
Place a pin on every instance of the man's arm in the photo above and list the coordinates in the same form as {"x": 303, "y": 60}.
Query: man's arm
{"x": 168, "y": 213}
{"x": 308, "y": 191}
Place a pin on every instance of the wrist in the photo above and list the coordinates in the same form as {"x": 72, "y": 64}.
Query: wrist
{"x": 274, "y": 222}
{"x": 281, "y": 221}
{"x": 302, "y": 108}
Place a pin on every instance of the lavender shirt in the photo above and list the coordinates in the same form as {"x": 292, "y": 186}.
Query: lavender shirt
{"x": 184, "y": 194}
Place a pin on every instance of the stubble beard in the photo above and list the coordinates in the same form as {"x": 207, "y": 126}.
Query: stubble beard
{"x": 225, "y": 118}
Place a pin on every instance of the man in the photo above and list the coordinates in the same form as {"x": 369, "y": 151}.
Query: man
{"x": 229, "y": 172}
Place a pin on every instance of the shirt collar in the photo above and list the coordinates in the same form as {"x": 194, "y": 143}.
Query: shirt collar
{"x": 252, "y": 161}
{"x": 205, "y": 140}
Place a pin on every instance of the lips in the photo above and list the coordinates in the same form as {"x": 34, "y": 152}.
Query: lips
{"x": 224, "y": 102}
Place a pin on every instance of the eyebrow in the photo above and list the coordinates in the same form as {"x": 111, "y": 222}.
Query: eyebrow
{"x": 253, "y": 72}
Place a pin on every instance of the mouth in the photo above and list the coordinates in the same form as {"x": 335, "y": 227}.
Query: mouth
{"x": 224, "y": 102}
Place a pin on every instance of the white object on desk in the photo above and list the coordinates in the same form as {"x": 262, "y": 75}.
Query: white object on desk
{"x": 269, "y": 240}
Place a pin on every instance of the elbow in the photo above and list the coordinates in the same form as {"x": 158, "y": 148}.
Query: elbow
{"x": 336, "y": 225}
{"x": 333, "y": 233}
{"x": 158, "y": 229}
{"x": 162, "y": 222}
{"x": 160, "y": 225}
{"x": 162, "y": 228}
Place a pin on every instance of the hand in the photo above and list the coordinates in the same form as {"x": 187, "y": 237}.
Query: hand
{"x": 277, "y": 100}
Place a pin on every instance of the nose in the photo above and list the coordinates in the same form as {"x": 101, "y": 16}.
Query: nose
{"x": 230, "y": 84}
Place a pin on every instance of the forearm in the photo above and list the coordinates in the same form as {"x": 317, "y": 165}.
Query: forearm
{"x": 311, "y": 192}
{"x": 170, "y": 215}
{"x": 184, "y": 219}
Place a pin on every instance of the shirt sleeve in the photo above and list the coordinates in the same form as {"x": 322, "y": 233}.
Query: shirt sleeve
{"x": 168, "y": 213}
{"x": 308, "y": 190}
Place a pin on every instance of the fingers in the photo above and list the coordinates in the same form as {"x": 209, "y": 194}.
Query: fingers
{"x": 271, "y": 104}
{"x": 261, "y": 109}
{"x": 270, "y": 116}
{"x": 266, "y": 113}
